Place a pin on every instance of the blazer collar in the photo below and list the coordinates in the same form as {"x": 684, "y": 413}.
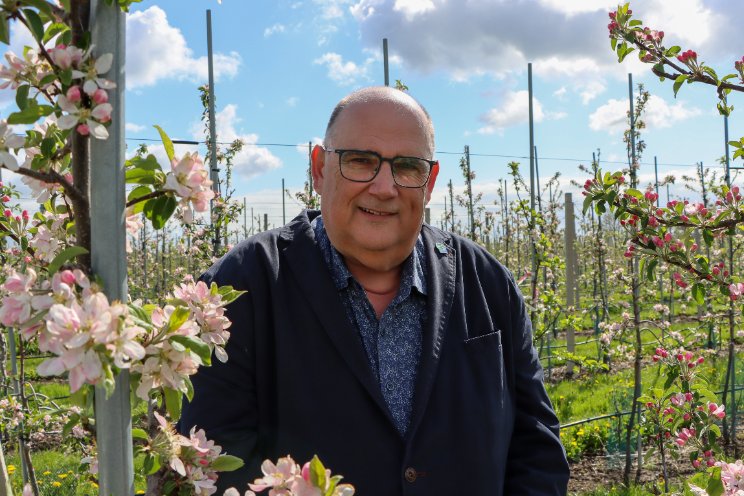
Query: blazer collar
{"x": 314, "y": 279}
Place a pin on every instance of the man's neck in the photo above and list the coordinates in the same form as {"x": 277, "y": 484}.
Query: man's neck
{"x": 380, "y": 286}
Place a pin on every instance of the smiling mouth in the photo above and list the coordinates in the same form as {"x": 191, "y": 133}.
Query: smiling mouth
{"x": 375, "y": 212}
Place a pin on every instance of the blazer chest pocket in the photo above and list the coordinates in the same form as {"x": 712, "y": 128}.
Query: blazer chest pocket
{"x": 492, "y": 338}
{"x": 485, "y": 366}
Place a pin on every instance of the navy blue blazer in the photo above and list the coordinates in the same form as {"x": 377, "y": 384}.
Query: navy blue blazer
{"x": 297, "y": 380}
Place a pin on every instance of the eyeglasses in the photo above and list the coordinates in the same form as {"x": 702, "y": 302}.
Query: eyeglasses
{"x": 362, "y": 166}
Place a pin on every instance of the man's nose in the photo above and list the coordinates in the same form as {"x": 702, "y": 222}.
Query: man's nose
{"x": 383, "y": 184}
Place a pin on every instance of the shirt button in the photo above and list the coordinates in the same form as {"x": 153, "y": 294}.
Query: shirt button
{"x": 410, "y": 474}
{"x": 389, "y": 386}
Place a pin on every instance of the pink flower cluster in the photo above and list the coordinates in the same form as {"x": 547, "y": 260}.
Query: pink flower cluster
{"x": 207, "y": 309}
{"x": 687, "y": 57}
{"x": 189, "y": 180}
{"x": 190, "y": 457}
{"x": 739, "y": 66}
{"x": 86, "y": 106}
{"x": 167, "y": 362}
{"x": 86, "y": 333}
{"x": 732, "y": 476}
{"x": 30, "y": 69}
{"x": 286, "y": 478}
{"x": 736, "y": 290}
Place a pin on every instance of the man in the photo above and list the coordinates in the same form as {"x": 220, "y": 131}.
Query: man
{"x": 399, "y": 354}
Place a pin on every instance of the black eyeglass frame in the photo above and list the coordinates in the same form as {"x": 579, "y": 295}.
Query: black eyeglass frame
{"x": 381, "y": 159}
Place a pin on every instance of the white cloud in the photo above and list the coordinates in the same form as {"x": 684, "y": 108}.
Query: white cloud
{"x": 513, "y": 111}
{"x": 413, "y": 8}
{"x": 573, "y": 7}
{"x": 560, "y": 93}
{"x": 612, "y": 116}
{"x": 566, "y": 38}
{"x": 344, "y": 73}
{"x": 591, "y": 90}
{"x": 292, "y": 101}
{"x": 134, "y": 128}
{"x": 276, "y": 28}
{"x": 252, "y": 160}
{"x": 151, "y": 40}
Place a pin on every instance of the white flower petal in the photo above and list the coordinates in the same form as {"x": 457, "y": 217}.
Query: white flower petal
{"x": 103, "y": 63}
{"x": 8, "y": 161}
{"x": 67, "y": 121}
{"x": 97, "y": 130}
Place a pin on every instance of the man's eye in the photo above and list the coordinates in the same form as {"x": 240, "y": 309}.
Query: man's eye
{"x": 360, "y": 160}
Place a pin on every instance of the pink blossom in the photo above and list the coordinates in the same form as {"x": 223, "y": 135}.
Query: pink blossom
{"x": 716, "y": 410}
{"x": 189, "y": 180}
{"x": 684, "y": 435}
{"x": 732, "y": 476}
{"x": 73, "y": 94}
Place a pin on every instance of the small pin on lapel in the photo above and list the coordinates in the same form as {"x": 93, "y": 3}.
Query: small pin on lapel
{"x": 441, "y": 248}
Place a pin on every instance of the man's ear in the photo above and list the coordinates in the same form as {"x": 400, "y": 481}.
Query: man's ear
{"x": 317, "y": 158}
{"x": 432, "y": 180}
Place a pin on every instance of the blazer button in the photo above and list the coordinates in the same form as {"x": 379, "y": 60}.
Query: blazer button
{"x": 410, "y": 474}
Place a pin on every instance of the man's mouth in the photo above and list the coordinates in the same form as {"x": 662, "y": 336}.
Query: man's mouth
{"x": 374, "y": 212}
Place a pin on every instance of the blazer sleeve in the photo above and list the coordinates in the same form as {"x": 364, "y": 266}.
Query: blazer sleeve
{"x": 536, "y": 463}
{"x": 224, "y": 402}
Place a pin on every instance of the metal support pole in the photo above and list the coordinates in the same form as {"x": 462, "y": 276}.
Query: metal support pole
{"x": 385, "y": 61}
{"x": 532, "y": 166}
{"x": 571, "y": 290}
{"x": 245, "y": 223}
{"x": 284, "y": 207}
{"x": 213, "y": 170}
{"x": 656, "y": 174}
{"x": 427, "y": 215}
{"x": 108, "y": 257}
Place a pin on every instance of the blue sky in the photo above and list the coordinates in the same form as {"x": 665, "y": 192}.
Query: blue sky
{"x": 282, "y": 65}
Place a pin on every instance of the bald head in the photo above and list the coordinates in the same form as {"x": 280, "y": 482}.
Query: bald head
{"x": 383, "y": 94}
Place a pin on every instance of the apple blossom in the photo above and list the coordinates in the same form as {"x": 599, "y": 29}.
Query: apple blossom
{"x": 189, "y": 180}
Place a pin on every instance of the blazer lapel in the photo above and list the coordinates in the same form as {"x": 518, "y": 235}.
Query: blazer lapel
{"x": 311, "y": 274}
{"x": 440, "y": 256}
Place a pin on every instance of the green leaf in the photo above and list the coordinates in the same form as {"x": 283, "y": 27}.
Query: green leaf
{"x": 651, "y": 270}
{"x": 196, "y": 345}
{"x": 167, "y": 143}
{"x": 159, "y": 210}
{"x": 47, "y": 146}
{"x": 634, "y": 193}
{"x": 708, "y": 237}
{"x": 715, "y": 485}
{"x": 678, "y": 83}
{"x": 140, "y": 176}
{"x": 317, "y": 473}
{"x": 149, "y": 163}
{"x": 34, "y": 21}
{"x": 635, "y": 22}
{"x": 138, "y": 192}
{"x": 4, "y": 30}
{"x": 138, "y": 433}
{"x": 22, "y": 96}
{"x": 179, "y": 316}
{"x": 709, "y": 71}
{"x": 227, "y": 293}
{"x": 698, "y": 293}
{"x": 613, "y": 43}
{"x": 173, "y": 402}
{"x": 587, "y": 204}
{"x": 627, "y": 52}
{"x": 226, "y": 463}
{"x": 672, "y": 51}
{"x": 30, "y": 114}
{"x": 152, "y": 464}
{"x": 64, "y": 256}
{"x": 53, "y": 30}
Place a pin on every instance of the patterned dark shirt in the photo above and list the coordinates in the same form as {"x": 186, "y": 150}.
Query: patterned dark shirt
{"x": 392, "y": 343}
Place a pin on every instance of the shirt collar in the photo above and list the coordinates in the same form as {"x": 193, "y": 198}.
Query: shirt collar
{"x": 414, "y": 267}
